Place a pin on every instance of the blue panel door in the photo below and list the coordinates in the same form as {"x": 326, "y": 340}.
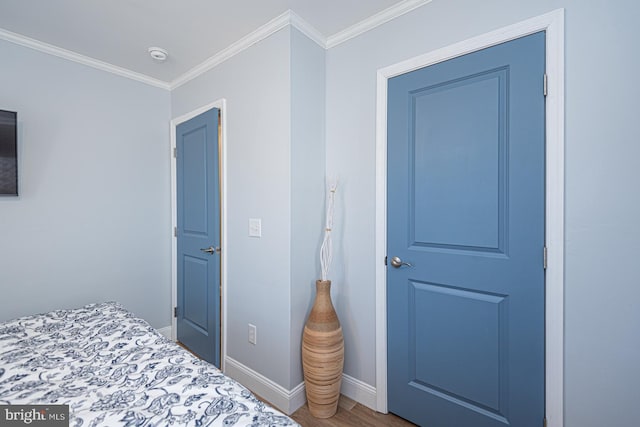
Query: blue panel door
{"x": 198, "y": 216}
{"x": 466, "y": 210}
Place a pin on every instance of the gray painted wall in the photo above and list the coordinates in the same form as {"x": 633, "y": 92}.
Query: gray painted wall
{"x": 602, "y": 203}
{"x": 275, "y": 171}
{"x": 92, "y": 222}
{"x": 256, "y": 85}
{"x": 307, "y": 184}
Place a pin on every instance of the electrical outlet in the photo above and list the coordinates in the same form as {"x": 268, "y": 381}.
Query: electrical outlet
{"x": 253, "y": 333}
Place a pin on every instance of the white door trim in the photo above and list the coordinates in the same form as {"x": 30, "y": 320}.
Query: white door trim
{"x": 221, "y": 104}
{"x": 553, "y": 24}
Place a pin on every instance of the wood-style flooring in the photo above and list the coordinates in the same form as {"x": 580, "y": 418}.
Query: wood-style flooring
{"x": 350, "y": 414}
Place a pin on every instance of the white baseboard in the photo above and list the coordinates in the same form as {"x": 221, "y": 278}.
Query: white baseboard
{"x": 166, "y": 331}
{"x": 298, "y": 398}
{"x": 289, "y": 401}
{"x": 359, "y": 391}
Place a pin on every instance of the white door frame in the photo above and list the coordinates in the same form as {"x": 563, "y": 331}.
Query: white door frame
{"x": 553, "y": 24}
{"x": 220, "y": 104}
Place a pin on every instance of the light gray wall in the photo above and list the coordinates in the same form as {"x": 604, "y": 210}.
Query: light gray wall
{"x": 256, "y": 85}
{"x": 92, "y": 222}
{"x": 602, "y": 199}
{"x": 307, "y": 184}
{"x": 275, "y": 171}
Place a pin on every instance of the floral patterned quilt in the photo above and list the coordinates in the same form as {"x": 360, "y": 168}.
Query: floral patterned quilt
{"x": 114, "y": 369}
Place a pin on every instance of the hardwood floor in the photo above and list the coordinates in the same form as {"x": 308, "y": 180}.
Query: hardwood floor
{"x": 350, "y": 414}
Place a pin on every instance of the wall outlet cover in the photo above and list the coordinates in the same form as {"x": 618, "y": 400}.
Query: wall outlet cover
{"x": 253, "y": 332}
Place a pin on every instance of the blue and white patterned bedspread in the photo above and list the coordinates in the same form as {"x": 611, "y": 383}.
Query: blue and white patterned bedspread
{"x": 114, "y": 369}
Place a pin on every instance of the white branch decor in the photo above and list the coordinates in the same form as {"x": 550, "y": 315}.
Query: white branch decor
{"x": 326, "y": 250}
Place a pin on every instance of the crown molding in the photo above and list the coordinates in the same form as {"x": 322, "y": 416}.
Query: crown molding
{"x": 307, "y": 29}
{"x": 81, "y": 59}
{"x": 374, "y": 21}
{"x": 288, "y": 18}
{"x": 276, "y": 24}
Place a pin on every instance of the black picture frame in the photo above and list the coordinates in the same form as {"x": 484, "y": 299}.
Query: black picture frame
{"x": 8, "y": 153}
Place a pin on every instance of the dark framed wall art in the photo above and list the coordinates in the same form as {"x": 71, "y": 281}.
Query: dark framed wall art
{"x": 8, "y": 153}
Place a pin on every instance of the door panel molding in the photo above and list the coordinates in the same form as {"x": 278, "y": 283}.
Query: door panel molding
{"x": 553, "y": 24}
{"x": 220, "y": 104}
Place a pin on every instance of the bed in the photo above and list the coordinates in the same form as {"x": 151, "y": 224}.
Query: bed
{"x": 114, "y": 369}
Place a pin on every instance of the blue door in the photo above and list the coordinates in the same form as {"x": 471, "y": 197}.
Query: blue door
{"x": 466, "y": 211}
{"x": 198, "y": 233}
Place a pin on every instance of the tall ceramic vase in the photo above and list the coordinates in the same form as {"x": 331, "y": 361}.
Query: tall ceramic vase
{"x": 322, "y": 354}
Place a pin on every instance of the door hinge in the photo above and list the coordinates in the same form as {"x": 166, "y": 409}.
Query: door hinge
{"x": 175, "y": 311}
{"x": 175, "y": 231}
{"x": 175, "y": 152}
{"x": 544, "y": 84}
{"x": 544, "y": 422}
{"x": 544, "y": 257}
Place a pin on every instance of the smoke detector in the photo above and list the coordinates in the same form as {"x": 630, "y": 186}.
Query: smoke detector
{"x": 158, "y": 53}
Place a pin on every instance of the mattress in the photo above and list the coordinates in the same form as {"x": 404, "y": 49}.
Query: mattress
{"x": 114, "y": 369}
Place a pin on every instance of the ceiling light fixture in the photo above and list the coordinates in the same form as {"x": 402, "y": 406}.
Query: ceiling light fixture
{"x": 158, "y": 54}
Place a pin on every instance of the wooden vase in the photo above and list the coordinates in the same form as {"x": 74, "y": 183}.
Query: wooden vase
{"x": 322, "y": 354}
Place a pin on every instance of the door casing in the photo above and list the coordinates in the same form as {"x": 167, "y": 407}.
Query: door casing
{"x": 221, "y": 105}
{"x": 553, "y": 24}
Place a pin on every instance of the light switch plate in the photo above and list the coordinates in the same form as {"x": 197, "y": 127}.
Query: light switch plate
{"x": 255, "y": 227}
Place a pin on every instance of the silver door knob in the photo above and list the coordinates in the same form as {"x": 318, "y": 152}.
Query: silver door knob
{"x": 397, "y": 262}
{"x": 210, "y": 250}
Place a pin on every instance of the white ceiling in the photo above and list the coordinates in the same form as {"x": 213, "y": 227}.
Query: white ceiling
{"x": 119, "y": 32}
